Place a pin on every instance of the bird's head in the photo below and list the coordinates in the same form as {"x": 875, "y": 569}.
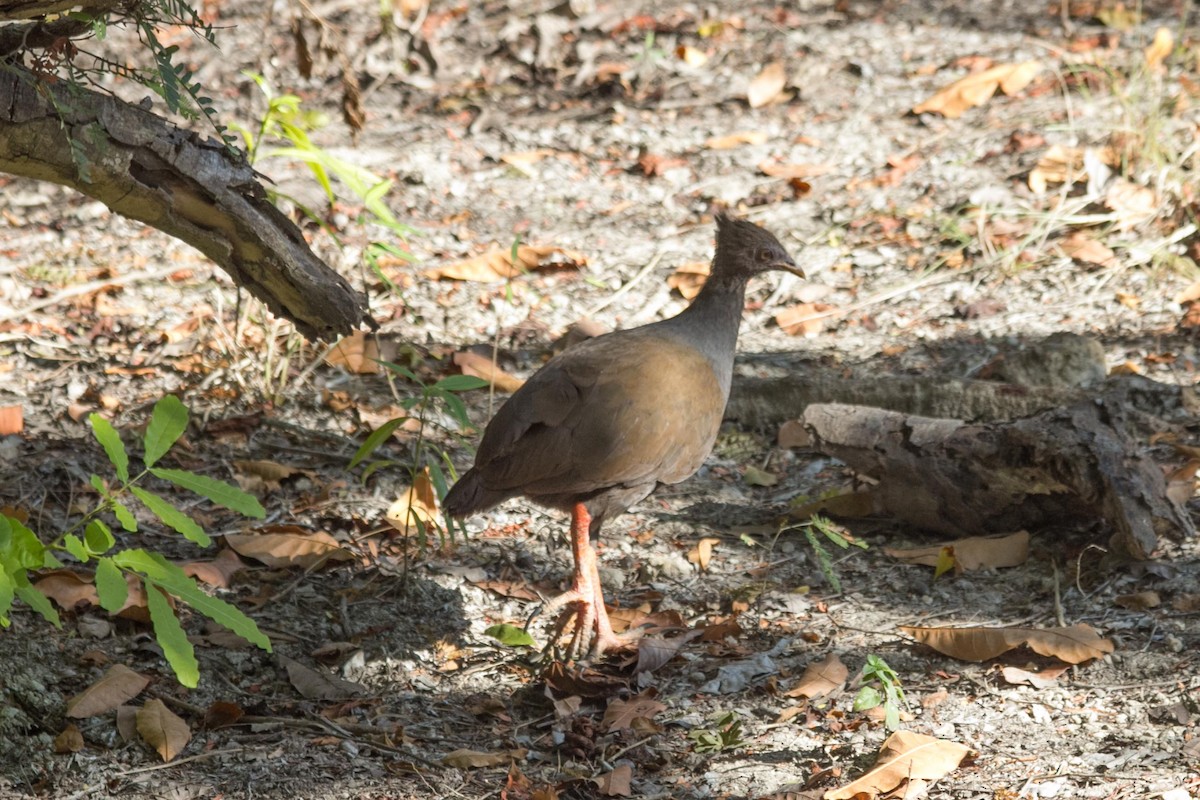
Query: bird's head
{"x": 744, "y": 250}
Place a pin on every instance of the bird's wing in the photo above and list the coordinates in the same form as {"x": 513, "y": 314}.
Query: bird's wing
{"x": 618, "y": 410}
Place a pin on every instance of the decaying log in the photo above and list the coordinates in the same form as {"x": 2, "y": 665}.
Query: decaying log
{"x": 1068, "y": 466}
{"x": 145, "y": 168}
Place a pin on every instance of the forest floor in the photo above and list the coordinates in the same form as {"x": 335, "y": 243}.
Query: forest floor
{"x": 936, "y": 244}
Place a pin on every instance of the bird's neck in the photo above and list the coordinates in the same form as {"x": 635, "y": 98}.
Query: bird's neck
{"x": 710, "y": 324}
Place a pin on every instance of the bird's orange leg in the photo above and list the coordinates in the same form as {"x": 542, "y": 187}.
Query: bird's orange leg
{"x": 592, "y": 626}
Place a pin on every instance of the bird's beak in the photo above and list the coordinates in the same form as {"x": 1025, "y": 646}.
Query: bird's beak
{"x": 788, "y": 266}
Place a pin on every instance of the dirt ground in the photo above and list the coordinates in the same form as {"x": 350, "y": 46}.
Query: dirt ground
{"x": 923, "y": 240}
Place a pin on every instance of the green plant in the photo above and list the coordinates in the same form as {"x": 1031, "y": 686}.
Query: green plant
{"x": 881, "y": 686}
{"x": 431, "y": 398}
{"x": 818, "y": 529}
{"x": 726, "y": 734}
{"x": 283, "y": 132}
{"x": 90, "y": 539}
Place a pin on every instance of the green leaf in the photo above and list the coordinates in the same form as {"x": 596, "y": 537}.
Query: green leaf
{"x": 171, "y": 637}
{"x": 98, "y": 484}
{"x": 124, "y": 516}
{"x": 510, "y": 635}
{"x": 405, "y": 371}
{"x": 217, "y": 491}
{"x": 76, "y": 547}
{"x": 98, "y": 538}
{"x": 172, "y": 517}
{"x": 455, "y": 408}
{"x": 867, "y": 697}
{"x": 35, "y": 599}
{"x": 168, "y": 421}
{"x": 110, "y": 585}
{"x": 6, "y": 597}
{"x": 460, "y": 383}
{"x": 377, "y": 437}
{"x": 20, "y": 549}
{"x": 891, "y": 717}
{"x": 110, "y": 440}
{"x": 174, "y": 580}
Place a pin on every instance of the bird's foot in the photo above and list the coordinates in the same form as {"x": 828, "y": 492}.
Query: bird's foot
{"x": 591, "y": 634}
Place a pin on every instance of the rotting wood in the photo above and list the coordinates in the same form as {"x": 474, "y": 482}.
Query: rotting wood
{"x": 145, "y": 168}
{"x": 1062, "y": 467}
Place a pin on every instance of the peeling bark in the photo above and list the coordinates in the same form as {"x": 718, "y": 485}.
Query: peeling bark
{"x": 145, "y": 168}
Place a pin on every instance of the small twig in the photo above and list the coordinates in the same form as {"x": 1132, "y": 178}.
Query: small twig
{"x": 629, "y": 284}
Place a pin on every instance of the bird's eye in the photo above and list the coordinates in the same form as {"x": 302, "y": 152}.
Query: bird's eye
{"x": 764, "y": 256}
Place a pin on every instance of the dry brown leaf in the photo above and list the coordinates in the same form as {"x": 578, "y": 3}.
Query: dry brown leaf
{"x": 701, "y": 554}
{"x": 1139, "y": 601}
{"x": 497, "y": 264}
{"x": 316, "y": 685}
{"x": 803, "y": 319}
{"x": 1159, "y": 49}
{"x": 1080, "y": 246}
{"x": 976, "y": 552}
{"x": 162, "y": 729}
{"x": 69, "y": 741}
{"x": 1189, "y": 295}
{"x": 737, "y": 139}
{"x": 67, "y": 588}
{"x": 821, "y": 678}
{"x": 482, "y": 367}
{"x": 617, "y": 783}
{"x": 654, "y": 651}
{"x": 12, "y": 420}
{"x": 1061, "y": 164}
{"x": 266, "y": 474}
{"x": 222, "y": 713}
{"x": 356, "y": 353}
{"x": 767, "y": 85}
{"x": 692, "y": 56}
{"x": 975, "y": 90}
{"x": 1073, "y": 644}
{"x": 524, "y": 160}
{"x": 1038, "y": 680}
{"x": 793, "y": 434}
{"x": 688, "y": 279}
{"x": 904, "y": 757}
{"x": 288, "y": 546}
{"x": 620, "y": 714}
{"x": 779, "y": 169}
{"x": 116, "y": 686}
{"x": 416, "y": 507}
{"x": 852, "y": 505}
{"x": 1133, "y": 204}
{"x": 217, "y": 572}
{"x": 474, "y": 759}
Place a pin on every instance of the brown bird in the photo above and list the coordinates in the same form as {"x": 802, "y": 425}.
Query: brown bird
{"x": 602, "y": 424}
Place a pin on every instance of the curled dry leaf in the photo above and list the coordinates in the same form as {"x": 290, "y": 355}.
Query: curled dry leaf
{"x": 1038, "y": 680}
{"x": 69, "y": 741}
{"x": 975, "y": 90}
{"x": 737, "y": 139}
{"x": 1139, "y": 601}
{"x": 1159, "y": 49}
{"x": 766, "y": 85}
{"x": 416, "y": 504}
{"x": 162, "y": 729}
{"x": 218, "y": 572}
{"x": 1073, "y": 644}
{"x": 905, "y": 757}
{"x": 115, "y": 687}
{"x": 68, "y": 589}
{"x": 288, "y": 546}
{"x": 617, "y": 783}
{"x": 976, "y": 552}
{"x": 317, "y": 685}
{"x": 821, "y": 678}
{"x": 474, "y": 759}
{"x": 356, "y": 353}
{"x": 482, "y": 367}
{"x": 688, "y": 279}
{"x": 497, "y": 264}
{"x": 251, "y": 475}
{"x": 621, "y": 714}
{"x": 12, "y": 420}
{"x": 1061, "y": 164}
{"x": 793, "y": 434}
{"x": 1133, "y": 204}
{"x": 701, "y": 554}
{"x": 803, "y": 319}
{"x": 1082, "y": 247}
{"x": 779, "y": 169}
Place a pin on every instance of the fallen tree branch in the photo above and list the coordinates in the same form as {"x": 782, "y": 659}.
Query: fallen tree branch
{"x": 145, "y": 168}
